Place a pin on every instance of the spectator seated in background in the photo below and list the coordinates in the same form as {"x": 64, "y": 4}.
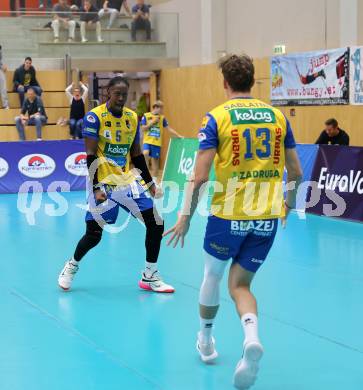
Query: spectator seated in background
{"x": 62, "y": 16}
{"x": 77, "y": 101}
{"x": 32, "y": 113}
{"x": 3, "y": 88}
{"x": 113, "y": 8}
{"x": 333, "y": 135}
{"x": 141, "y": 19}
{"x": 25, "y": 78}
{"x": 89, "y": 19}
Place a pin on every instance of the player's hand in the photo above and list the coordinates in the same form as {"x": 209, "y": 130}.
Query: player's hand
{"x": 178, "y": 232}
{"x": 156, "y": 191}
{"x": 100, "y": 196}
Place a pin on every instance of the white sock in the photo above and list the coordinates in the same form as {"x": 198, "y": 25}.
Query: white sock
{"x": 155, "y": 180}
{"x": 73, "y": 262}
{"x": 250, "y": 327}
{"x": 150, "y": 268}
{"x": 206, "y": 330}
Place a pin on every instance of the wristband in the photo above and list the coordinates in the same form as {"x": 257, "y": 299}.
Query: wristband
{"x": 90, "y": 159}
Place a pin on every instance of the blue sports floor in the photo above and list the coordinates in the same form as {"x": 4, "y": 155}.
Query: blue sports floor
{"x": 108, "y": 335}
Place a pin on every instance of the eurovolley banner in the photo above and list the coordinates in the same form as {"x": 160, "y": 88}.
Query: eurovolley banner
{"x": 337, "y": 181}
{"x": 42, "y": 166}
{"x": 356, "y": 75}
{"x": 311, "y": 78}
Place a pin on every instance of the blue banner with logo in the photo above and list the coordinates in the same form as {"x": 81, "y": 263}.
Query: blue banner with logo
{"x": 42, "y": 166}
{"x": 337, "y": 183}
{"x": 307, "y": 155}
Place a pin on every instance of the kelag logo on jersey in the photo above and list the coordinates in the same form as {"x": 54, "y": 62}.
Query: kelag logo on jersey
{"x": 117, "y": 153}
{"x": 4, "y": 167}
{"x": 155, "y": 132}
{"x": 36, "y": 165}
{"x": 250, "y": 116}
{"x": 76, "y": 164}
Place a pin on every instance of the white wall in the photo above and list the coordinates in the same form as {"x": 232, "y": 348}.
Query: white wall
{"x": 256, "y": 26}
{"x": 189, "y": 28}
{"x": 360, "y": 24}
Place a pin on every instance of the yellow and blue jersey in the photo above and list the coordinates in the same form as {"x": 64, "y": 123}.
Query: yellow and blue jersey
{"x": 154, "y": 136}
{"x": 115, "y": 137}
{"x": 250, "y": 137}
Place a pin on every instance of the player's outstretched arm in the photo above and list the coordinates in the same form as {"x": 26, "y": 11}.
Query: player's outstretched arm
{"x": 294, "y": 177}
{"x": 174, "y": 132}
{"x": 193, "y": 194}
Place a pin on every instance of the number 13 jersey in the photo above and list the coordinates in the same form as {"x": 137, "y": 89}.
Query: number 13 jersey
{"x": 250, "y": 137}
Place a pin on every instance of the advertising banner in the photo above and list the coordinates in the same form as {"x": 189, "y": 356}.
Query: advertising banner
{"x": 338, "y": 183}
{"x": 41, "y": 165}
{"x": 181, "y": 156}
{"x": 180, "y": 160}
{"x": 312, "y": 78}
{"x": 356, "y": 75}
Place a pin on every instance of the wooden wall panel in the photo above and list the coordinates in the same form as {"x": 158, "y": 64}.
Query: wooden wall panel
{"x": 309, "y": 122}
{"x": 188, "y": 94}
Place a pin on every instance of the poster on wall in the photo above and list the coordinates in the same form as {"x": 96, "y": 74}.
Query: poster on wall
{"x": 312, "y": 78}
{"x": 356, "y": 75}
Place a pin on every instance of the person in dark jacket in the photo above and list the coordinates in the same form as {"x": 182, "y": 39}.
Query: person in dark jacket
{"x": 89, "y": 19}
{"x": 141, "y": 19}
{"x": 333, "y": 134}
{"x": 24, "y": 78}
{"x": 32, "y": 113}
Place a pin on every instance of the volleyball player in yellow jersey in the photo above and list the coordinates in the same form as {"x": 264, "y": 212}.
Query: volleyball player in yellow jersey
{"x": 250, "y": 143}
{"x": 153, "y": 125}
{"x": 112, "y": 139}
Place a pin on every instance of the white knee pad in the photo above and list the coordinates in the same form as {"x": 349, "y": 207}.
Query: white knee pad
{"x": 213, "y": 274}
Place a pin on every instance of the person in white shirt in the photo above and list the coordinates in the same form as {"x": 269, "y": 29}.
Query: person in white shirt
{"x": 77, "y": 97}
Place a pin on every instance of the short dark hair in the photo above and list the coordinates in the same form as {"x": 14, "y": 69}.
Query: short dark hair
{"x": 118, "y": 80}
{"x": 332, "y": 122}
{"x": 28, "y": 59}
{"x": 238, "y": 71}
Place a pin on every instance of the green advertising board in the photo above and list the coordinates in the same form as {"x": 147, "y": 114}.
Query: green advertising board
{"x": 180, "y": 160}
